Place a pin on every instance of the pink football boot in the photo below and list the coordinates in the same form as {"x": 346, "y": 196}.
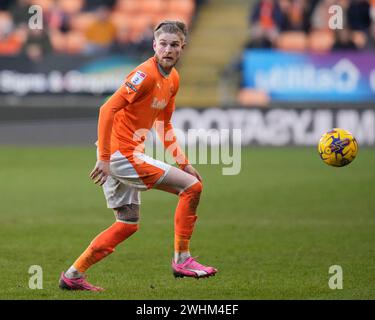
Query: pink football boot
{"x": 191, "y": 268}
{"x": 77, "y": 284}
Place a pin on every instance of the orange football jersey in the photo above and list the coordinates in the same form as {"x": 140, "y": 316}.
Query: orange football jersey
{"x": 145, "y": 96}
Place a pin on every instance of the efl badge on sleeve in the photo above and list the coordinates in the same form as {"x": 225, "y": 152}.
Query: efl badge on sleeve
{"x": 138, "y": 77}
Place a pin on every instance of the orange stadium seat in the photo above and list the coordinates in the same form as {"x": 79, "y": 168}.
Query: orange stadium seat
{"x": 120, "y": 19}
{"x": 138, "y": 25}
{"x": 45, "y": 4}
{"x": 291, "y": 41}
{"x": 181, "y": 7}
{"x": 152, "y": 7}
{"x": 176, "y": 10}
{"x": 321, "y": 40}
{"x": 71, "y": 7}
{"x": 128, "y": 6}
{"x": 72, "y": 42}
{"x": 81, "y": 22}
{"x": 57, "y": 40}
{"x": 75, "y": 42}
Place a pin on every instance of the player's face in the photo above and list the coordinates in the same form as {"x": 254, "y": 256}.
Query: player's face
{"x": 168, "y": 48}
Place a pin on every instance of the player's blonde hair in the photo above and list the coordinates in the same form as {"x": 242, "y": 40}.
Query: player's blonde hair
{"x": 171, "y": 26}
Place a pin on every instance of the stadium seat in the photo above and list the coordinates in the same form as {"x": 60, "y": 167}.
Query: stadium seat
{"x": 181, "y": 7}
{"x": 120, "y": 19}
{"x": 248, "y": 97}
{"x": 138, "y": 25}
{"x": 292, "y": 41}
{"x": 81, "y": 22}
{"x": 57, "y": 39}
{"x": 321, "y": 40}
{"x": 75, "y": 42}
{"x": 45, "y": 4}
{"x": 152, "y": 7}
{"x": 128, "y": 6}
{"x": 71, "y": 7}
{"x": 135, "y": 24}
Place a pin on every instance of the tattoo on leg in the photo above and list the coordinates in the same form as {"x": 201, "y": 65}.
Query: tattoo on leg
{"x": 128, "y": 213}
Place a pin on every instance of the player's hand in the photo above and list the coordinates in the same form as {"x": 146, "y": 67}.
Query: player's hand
{"x": 191, "y": 170}
{"x": 101, "y": 172}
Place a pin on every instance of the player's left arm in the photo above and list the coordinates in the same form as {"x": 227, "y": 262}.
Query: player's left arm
{"x": 165, "y": 131}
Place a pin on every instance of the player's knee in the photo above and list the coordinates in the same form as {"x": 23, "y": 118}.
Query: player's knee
{"x": 192, "y": 194}
{"x": 198, "y": 187}
{"x": 195, "y": 189}
{"x": 128, "y": 213}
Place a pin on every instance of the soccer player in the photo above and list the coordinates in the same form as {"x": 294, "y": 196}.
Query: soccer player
{"x": 145, "y": 100}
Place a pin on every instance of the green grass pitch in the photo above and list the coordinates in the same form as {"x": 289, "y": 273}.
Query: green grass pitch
{"x": 273, "y": 231}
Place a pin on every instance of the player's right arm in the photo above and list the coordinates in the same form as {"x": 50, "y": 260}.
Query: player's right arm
{"x": 106, "y": 116}
{"x": 136, "y": 85}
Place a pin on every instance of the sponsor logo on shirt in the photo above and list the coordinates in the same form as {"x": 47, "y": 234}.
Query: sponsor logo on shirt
{"x": 138, "y": 77}
{"x": 128, "y": 84}
{"x": 158, "y": 104}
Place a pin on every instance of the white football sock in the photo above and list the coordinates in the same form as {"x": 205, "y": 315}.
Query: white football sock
{"x": 73, "y": 273}
{"x": 180, "y": 257}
